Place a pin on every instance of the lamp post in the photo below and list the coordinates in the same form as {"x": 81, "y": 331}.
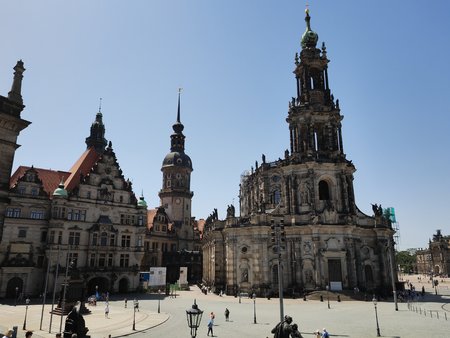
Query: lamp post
{"x": 239, "y": 293}
{"x": 135, "y": 306}
{"x": 27, "y": 302}
{"x": 254, "y": 308}
{"x": 328, "y": 296}
{"x": 278, "y": 237}
{"x": 194, "y": 317}
{"x": 17, "y": 295}
{"x": 374, "y": 300}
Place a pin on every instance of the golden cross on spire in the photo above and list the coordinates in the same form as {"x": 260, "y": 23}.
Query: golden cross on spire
{"x": 307, "y": 8}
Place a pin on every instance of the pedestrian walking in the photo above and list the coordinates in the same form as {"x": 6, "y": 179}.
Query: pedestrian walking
{"x": 107, "y": 310}
{"x": 317, "y": 334}
{"x": 8, "y": 334}
{"x": 28, "y": 334}
{"x": 210, "y": 327}
{"x": 126, "y": 301}
{"x": 227, "y": 314}
{"x": 325, "y": 334}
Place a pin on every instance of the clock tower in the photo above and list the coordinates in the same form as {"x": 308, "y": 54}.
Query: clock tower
{"x": 176, "y": 195}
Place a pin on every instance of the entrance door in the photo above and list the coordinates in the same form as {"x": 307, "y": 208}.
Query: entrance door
{"x": 334, "y": 270}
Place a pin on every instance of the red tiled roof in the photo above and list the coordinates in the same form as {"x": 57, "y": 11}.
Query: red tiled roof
{"x": 50, "y": 178}
{"x": 82, "y": 166}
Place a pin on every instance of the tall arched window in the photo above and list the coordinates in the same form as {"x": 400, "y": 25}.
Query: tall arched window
{"x": 276, "y": 197}
{"x": 324, "y": 191}
{"x": 103, "y": 239}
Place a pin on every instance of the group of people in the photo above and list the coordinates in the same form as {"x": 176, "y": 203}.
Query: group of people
{"x": 10, "y": 332}
{"x": 285, "y": 329}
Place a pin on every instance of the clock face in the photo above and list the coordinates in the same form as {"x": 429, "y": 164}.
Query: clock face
{"x": 177, "y": 201}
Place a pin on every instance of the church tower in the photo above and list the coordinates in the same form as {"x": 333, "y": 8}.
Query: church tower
{"x": 11, "y": 124}
{"x": 97, "y": 137}
{"x": 176, "y": 195}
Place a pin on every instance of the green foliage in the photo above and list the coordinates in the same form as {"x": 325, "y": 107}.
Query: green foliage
{"x": 406, "y": 261}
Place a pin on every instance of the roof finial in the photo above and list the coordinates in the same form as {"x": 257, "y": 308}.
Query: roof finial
{"x": 178, "y": 113}
{"x": 16, "y": 88}
{"x": 100, "y": 106}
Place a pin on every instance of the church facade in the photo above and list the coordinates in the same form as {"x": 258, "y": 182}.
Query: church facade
{"x": 323, "y": 239}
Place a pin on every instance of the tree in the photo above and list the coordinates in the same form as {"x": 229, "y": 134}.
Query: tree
{"x": 406, "y": 261}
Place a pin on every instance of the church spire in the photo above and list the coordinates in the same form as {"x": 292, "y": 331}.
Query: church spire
{"x": 15, "y": 94}
{"x": 177, "y": 138}
{"x": 97, "y": 137}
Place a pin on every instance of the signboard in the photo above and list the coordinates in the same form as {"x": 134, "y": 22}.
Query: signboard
{"x": 183, "y": 275}
{"x": 336, "y": 286}
{"x": 157, "y": 276}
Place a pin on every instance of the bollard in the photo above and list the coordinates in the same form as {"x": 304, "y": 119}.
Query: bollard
{"x": 339, "y": 298}
{"x": 321, "y": 298}
{"x": 420, "y": 310}
{"x": 437, "y": 314}
{"x": 445, "y": 313}
{"x": 431, "y": 314}
{"x": 304, "y": 298}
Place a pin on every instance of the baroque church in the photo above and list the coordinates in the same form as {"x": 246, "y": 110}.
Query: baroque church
{"x": 88, "y": 217}
{"x": 308, "y": 194}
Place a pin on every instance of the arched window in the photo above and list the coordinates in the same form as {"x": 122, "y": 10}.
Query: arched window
{"x": 276, "y": 196}
{"x": 103, "y": 239}
{"x": 324, "y": 191}
{"x": 369, "y": 274}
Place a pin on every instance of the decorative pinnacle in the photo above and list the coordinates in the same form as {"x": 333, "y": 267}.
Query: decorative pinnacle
{"x": 178, "y": 113}
{"x": 100, "y": 106}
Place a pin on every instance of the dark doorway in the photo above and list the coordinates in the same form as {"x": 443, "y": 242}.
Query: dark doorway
{"x": 334, "y": 270}
{"x": 14, "y": 283}
{"x": 100, "y": 284}
{"x": 123, "y": 285}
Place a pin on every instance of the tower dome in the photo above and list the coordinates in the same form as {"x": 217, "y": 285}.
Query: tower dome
{"x": 60, "y": 191}
{"x": 142, "y": 203}
{"x": 309, "y": 37}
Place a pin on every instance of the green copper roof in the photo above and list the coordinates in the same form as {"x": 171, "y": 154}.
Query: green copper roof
{"x": 309, "y": 37}
{"x": 142, "y": 203}
{"x": 60, "y": 191}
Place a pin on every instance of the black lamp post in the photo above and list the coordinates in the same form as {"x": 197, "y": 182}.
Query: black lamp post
{"x": 17, "y": 296}
{"x": 374, "y": 300}
{"x": 194, "y": 317}
{"x": 27, "y": 302}
{"x": 328, "y": 296}
{"x": 278, "y": 237}
{"x": 135, "y": 306}
{"x": 254, "y": 308}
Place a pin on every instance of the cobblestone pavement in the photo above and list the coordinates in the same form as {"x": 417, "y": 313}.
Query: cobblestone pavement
{"x": 427, "y": 317}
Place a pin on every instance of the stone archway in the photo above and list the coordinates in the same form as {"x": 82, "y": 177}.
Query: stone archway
{"x": 124, "y": 285}
{"x": 100, "y": 284}
{"x": 13, "y": 283}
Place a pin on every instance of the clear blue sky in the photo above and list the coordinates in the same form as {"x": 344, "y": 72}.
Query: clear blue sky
{"x": 389, "y": 68}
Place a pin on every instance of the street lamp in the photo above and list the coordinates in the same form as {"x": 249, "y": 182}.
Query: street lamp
{"x": 194, "y": 317}
{"x": 254, "y": 308}
{"x": 135, "y": 306}
{"x": 374, "y": 300}
{"x": 27, "y": 302}
{"x": 17, "y": 295}
{"x": 278, "y": 237}
{"x": 328, "y": 296}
